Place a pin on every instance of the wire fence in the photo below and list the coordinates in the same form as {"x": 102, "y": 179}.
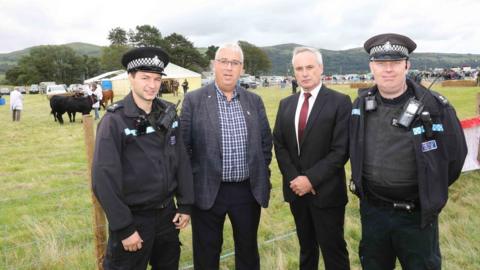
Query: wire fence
{"x": 38, "y": 231}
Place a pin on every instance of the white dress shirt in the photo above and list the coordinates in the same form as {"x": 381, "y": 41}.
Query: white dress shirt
{"x": 311, "y": 101}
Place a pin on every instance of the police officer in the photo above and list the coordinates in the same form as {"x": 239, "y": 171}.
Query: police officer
{"x": 139, "y": 165}
{"x": 406, "y": 148}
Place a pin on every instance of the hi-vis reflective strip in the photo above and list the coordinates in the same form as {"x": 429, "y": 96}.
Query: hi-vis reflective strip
{"x": 435, "y": 127}
{"x": 418, "y": 130}
{"x": 134, "y": 131}
{"x": 355, "y": 111}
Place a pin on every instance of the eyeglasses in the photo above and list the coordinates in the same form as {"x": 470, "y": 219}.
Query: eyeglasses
{"x": 225, "y": 62}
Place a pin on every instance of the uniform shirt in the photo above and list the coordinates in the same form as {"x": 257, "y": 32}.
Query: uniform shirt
{"x": 311, "y": 101}
{"x": 233, "y": 128}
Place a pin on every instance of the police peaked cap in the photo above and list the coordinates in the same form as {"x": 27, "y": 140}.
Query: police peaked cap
{"x": 149, "y": 59}
{"x": 389, "y": 46}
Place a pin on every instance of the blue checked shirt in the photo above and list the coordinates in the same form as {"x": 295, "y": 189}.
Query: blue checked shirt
{"x": 234, "y": 138}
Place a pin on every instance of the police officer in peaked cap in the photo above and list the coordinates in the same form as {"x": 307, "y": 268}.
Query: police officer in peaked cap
{"x": 406, "y": 148}
{"x": 140, "y": 164}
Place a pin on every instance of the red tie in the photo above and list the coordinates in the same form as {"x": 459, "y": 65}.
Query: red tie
{"x": 302, "y": 121}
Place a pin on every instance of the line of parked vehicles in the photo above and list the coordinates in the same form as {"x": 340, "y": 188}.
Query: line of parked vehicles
{"x": 48, "y": 88}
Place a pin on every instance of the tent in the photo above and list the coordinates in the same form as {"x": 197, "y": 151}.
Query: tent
{"x": 104, "y": 76}
{"x": 121, "y": 85}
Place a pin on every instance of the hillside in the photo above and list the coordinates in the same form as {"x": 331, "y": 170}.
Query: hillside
{"x": 336, "y": 62}
{"x": 356, "y": 60}
{"x": 8, "y": 60}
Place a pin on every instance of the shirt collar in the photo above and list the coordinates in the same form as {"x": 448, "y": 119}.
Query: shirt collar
{"x": 220, "y": 92}
{"x": 314, "y": 92}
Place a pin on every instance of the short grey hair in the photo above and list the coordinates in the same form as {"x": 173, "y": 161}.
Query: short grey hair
{"x": 231, "y": 46}
{"x": 317, "y": 53}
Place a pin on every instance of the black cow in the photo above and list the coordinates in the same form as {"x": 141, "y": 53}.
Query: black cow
{"x": 71, "y": 105}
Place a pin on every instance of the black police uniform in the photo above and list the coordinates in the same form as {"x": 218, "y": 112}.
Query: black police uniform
{"x": 437, "y": 167}
{"x": 135, "y": 177}
{"x": 399, "y": 210}
{"x": 137, "y": 171}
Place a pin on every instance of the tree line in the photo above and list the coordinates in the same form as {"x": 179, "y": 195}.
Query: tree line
{"x": 63, "y": 64}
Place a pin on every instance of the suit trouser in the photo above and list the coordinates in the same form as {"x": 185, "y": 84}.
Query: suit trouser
{"x": 320, "y": 227}
{"x": 160, "y": 247}
{"x": 388, "y": 234}
{"x": 236, "y": 200}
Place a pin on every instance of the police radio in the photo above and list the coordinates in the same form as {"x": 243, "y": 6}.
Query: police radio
{"x": 370, "y": 102}
{"x": 165, "y": 120}
{"x": 409, "y": 112}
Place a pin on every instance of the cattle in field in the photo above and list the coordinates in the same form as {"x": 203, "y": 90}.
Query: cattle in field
{"x": 107, "y": 96}
{"x": 71, "y": 105}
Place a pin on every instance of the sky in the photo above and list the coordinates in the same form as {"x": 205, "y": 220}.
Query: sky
{"x": 445, "y": 26}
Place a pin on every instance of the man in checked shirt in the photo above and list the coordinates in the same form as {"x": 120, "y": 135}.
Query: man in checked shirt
{"x": 228, "y": 137}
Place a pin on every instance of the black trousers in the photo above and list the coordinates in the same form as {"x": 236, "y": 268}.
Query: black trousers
{"x": 388, "y": 234}
{"x": 236, "y": 200}
{"x": 160, "y": 247}
{"x": 320, "y": 227}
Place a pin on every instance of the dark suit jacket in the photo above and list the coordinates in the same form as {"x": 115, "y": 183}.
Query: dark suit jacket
{"x": 200, "y": 126}
{"x": 323, "y": 150}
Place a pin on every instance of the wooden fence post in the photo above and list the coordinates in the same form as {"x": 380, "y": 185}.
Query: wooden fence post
{"x": 99, "y": 222}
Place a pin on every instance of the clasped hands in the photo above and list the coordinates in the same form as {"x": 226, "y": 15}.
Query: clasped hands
{"x": 300, "y": 185}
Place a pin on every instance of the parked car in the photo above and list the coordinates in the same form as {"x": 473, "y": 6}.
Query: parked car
{"x": 248, "y": 83}
{"x": 4, "y": 91}
{"x": 55, "y": 90}
{"x": 43, "y": 86}
{"x": 74, "y": 87}
{"x": 206, "y": 81}
{"x": 34, "y": 89}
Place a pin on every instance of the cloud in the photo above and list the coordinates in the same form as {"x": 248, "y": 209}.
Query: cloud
{"x": 436, "y": 26}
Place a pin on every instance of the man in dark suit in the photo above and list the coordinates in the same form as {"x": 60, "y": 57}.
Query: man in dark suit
{"x": 311, "y": 146}
{"x": 228, "y": 137}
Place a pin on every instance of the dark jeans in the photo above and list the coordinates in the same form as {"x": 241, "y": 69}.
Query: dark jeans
{"x": 388, "y": 234}
{"x": 320, "y": 227}
{"x": 160, "y": 247}
{"x": 236, "y": 200}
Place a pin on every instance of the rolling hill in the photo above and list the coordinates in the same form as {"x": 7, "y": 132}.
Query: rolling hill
{"x": 8, "y": 60}
{"x": 336, "y": 62}
{"x": 356, "y": 60}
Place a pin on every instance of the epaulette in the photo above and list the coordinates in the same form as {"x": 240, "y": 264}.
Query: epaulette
{"x": 443, "y": 100}
{"x": 115, "y": 106}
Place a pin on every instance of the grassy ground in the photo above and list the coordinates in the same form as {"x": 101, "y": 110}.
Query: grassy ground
{"x": 46, "y": 216}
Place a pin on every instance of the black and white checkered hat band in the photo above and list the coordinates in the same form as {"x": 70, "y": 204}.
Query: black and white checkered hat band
{"x": 146, "y": 62}
{"x": 389, "y": 49}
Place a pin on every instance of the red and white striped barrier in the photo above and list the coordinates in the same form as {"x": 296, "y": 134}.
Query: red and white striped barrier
{"x": 471, "y": 128}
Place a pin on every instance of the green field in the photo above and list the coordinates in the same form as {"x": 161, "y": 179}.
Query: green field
{"x": 46, "y": 214}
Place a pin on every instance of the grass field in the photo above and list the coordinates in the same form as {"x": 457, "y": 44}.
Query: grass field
{"x": 46, "y": 215}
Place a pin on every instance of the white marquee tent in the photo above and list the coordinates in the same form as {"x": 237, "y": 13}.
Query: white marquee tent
{"x": 121, "y": 86}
